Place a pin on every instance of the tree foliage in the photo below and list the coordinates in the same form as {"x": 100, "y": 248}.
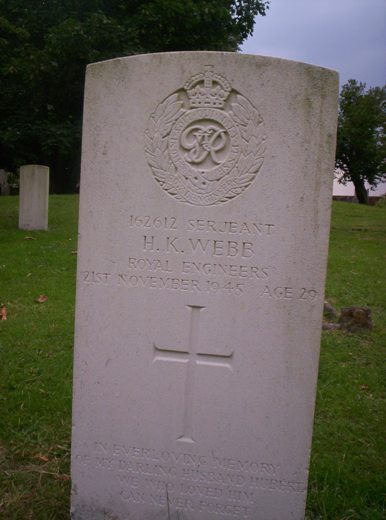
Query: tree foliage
{"x": 46, "y": 45}
{"x": 361, "y": 150}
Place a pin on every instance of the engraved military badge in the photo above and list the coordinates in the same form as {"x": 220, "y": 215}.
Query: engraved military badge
{"x": 205, "y": 143}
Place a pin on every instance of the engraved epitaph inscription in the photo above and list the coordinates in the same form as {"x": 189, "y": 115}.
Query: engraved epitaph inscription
{"x": 205, "y": 143}
{"x": 191, "y": 357}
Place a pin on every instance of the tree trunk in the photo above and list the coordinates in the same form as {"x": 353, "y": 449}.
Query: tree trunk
{"x": 360, "y": 191}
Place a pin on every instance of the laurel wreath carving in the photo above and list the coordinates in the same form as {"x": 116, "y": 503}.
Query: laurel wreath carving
{"x": 253, "y": 138}
{"x": 156, "y": 138}
{"x": 252, "y": 134}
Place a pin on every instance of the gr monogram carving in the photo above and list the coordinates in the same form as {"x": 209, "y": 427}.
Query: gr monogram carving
{"x": 205, "y": 143}
{"x": 203, "y": 140}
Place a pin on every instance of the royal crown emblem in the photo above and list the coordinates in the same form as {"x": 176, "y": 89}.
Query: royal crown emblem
{"x": 205, "y": 143}
{"x": 207, "y": 90}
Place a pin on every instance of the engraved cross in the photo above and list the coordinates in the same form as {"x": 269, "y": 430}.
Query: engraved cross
{"x": 192, "y": 357}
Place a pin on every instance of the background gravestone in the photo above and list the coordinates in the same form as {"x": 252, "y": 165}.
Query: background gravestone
{"x": 204, "y": 217}
{"x": 5, "y": 188}
{"x": 33, "y": 202}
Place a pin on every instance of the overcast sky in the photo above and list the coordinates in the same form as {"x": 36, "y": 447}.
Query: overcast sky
{"x": 346, "y": 35}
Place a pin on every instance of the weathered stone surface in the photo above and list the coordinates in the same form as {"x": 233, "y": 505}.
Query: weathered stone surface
{"x": 329, "y": 311}
{"x": 353, "y": 319}
{"x": 33, "y": 204}
{"x": 204, "y": 217}
{"x": 328, "y": 325}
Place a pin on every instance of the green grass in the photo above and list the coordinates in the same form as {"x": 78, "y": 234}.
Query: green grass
{"x": 347, "y": 468}
{"x": 36, "y": 361}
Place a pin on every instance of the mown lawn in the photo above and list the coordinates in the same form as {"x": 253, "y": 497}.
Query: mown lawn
{"x": 348, "y": 469}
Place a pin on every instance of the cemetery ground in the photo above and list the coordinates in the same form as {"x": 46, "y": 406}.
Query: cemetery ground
{"x": 37, "y": 292}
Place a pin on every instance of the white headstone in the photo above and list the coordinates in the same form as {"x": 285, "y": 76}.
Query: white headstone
{"x": 204, "y": 218}
{"x": 33, "y": 202}
{"x": 4, "y": 186}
